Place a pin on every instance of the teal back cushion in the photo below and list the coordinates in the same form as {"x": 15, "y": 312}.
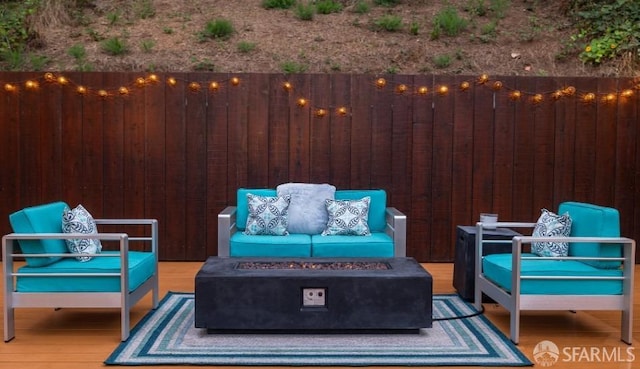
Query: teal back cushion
{"x": 377, "y": 208}
{"x": 242, "y": 211}
{"x": 45, "y": 218}
{"x": 589, "y": 220}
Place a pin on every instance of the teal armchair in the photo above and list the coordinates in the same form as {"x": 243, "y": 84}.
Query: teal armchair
{"x": 51, "y": 276}
{"x": 596, "y": 274}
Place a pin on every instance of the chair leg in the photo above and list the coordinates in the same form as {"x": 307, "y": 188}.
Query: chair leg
{"x": 9, "y": 324}
{"x": 627, "y": 325}
{"x": 515, "y": 326}
{"x": 124, "y": 322}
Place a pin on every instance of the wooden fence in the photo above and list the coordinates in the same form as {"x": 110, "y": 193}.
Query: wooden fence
{"x": 177, "y": 146}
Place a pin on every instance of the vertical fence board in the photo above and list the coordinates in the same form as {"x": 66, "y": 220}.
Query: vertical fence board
{"x": 564, "y": 142}
{"x": 258, "y": 138}
{"x": 196, "y": 125}
{"x": 381, "y": 130}
{"x": 462, "y": 167}
{"x": 92, "y": 172}
{"x": 504, "y": 146}
{"x": 483, "y": 149}
{"x": 278, "y": 132}
{"x": 399, "y": 192}
{"x": 543, "y": 143}
{"x": 221, "y": 180}
{"x": 420, "y": 213}
{"x": 626, "y": 159}
{"x": 606, "y": 126}
{"x": 358, "y": 134}
{"x": 320, "y": 131}
{"x": 114, "y": 151}
{"x": 300, "y": 129}
{"x": 523, "y": 154}
{"x": 585, "y": 157}
{"x": 155, "y": 155}
{"x": 441, "y": 229}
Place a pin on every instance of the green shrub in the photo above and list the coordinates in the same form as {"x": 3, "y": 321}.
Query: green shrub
{"x": 328, "y": 7}
{"x": 291, "y": 67}
{"x": 449, "y": 22}
{"x": 115, "y": 46}
{"x": 218, "y": 28}
{"x": 77, "y": 51}
{"x": 278, "y": 4}
{"x": 608, "y": 30}
{"x": 305, "y": 11}
{"x": 387, "y": 3}
{"x": 14, "y": 27}
{"x": 246, "y": 46}
{"x": 147, "y": 45}
{"x": 442, "y": 61}
{"x": 389, "y": 23}
{"x": 144, "y": 9}
{"x": 361, "y": 7}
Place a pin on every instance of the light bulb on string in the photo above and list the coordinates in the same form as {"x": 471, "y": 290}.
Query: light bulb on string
{"x": 423, "y": 90}
{"x": 302, "y": 102}
{"x": 194, "y": 86}
{"x": 31, "y": 85}
{"x": 214, "y": 86}
{"x": 81, "y": 90}
{"x": 63, "y": 80}
{"x": 627, "y": 93}
{"x": 515, "y": 95}
{"x": 342, "y": 111}
{"x": 537, "y": 99}
{"x": 10, "y": 87}
{"x": 171, "y": 81}
{"x": 401, "y": 88}
{"x": 141, "y": 82}
{"x": 123, "y": 91}
{"x": 321, "y": 112}
{"x": 287, "y": 86}
{"x": 381, "y": 82}
{"x": 103, "y": 94}
{"x": 443, "y": 90}
{"x": 235, "y": 81}
{"x": 49, "y": 77}
{"x": 589, "y": 98}
{"x": 464, "y": 86}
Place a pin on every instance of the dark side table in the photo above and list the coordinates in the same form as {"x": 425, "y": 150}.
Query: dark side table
{"x": 464, "y": 268}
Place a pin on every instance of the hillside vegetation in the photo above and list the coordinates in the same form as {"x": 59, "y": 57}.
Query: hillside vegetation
{"x": 499, "y": 37}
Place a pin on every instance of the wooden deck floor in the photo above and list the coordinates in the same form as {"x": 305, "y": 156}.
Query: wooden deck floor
{"x": 83, "y": 338}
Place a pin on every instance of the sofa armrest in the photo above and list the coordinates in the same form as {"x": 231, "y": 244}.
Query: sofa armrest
{"x": 226, "y": 228}
{"x": 397, "y": 228}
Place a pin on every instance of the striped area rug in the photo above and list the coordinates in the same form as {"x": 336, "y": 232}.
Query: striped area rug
{"x": 167, "y": 336}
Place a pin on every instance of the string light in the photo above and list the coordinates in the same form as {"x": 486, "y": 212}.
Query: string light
{"x": 10, "y": 88}
{"x": 537, "y": 98}
{"x": 589, "y": 97}
{"x": 609, "y": 98}
{"x": 342, "y": 111}
{"x": 141, "y": 82}
{"x": 214, "y": 86}
{"x": 515, "y": 95}
{"x": 423, "y": 90}
{"x": 194, "y": 86}
{"x": 302, "y": 102}
{"x": 49, "y": 77}
{"x": 103, "y": 94}
{"x": 123, "y": 91}
{"x": 81, "y": 90}
{"x": 235, "y": 81}
{"x": 464, "y": 86}
{"x": 321, "y": 113}
{"x": 63, "y": 80}
{"x": 381, "y": 82}
{"x": 31, "y": 85}
{"x": 483, "y": 79}
{"x": 627, "y": 93}
{"x": 443, "y": 90}
{"x": 287, "y": 86}
{"x": 171, "y": 81}
{"x": 402, "y": 88}
{"x": 497, "y": 86}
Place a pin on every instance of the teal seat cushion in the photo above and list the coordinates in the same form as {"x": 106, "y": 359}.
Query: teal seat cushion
{"x": 141, "y": 268}
{"x": 377, "y": 208}
{"x": 497, "y": 268}
{"x": 292, "y": 245}
{"x": 590, "y": 220}
{"x": 378, "y": 244}
{"x": 46, "y": 218}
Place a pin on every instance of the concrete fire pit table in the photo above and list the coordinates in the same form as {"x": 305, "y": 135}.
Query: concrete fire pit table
{"x": 312, "y": 294}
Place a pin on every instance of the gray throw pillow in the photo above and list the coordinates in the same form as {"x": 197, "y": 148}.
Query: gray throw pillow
{"x": 307, "y": 212}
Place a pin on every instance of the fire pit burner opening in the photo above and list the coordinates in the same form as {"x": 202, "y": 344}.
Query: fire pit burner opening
{"x": 334, "y": 265}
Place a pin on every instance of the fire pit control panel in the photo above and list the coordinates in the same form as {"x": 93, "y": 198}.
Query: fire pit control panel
{"x": 314, "y": 297}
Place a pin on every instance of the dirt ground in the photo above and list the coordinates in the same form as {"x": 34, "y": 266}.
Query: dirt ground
{"x": 530, "y": 39}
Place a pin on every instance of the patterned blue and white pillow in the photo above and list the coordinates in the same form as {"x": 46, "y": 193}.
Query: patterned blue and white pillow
{"x": 267, "y": 215}
{"x": 79, "y": 220}
{"x": 551, "y": 225}
{"x": 348, "y": 217}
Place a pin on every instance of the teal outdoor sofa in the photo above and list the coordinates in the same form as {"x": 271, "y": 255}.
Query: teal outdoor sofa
{"x": 597, "y": 272}
{"x": 46, "y": 274}
{"x": 387, "y": 226}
